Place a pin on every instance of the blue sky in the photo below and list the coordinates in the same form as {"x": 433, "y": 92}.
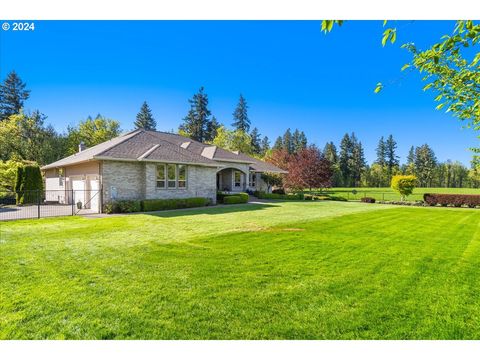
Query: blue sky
{"x": 291, "y": 74}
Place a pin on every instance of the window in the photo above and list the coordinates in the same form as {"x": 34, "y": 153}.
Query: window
{"x": 252, "y": 177}
{"x": 172, "y": 176}
{"x": 237, "y": 178}
{"x": 161, "y": 176}
{"x": 182, "y": 176}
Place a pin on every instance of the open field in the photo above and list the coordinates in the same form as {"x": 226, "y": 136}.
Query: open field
{"x": 390, "y": 194}
{"x": 294, "y": 270}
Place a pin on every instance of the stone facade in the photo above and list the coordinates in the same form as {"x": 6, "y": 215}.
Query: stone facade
{"x": 124, "y": 180}
{"x": 200, "y": 183}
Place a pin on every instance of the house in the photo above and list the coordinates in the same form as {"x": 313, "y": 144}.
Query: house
{"x": 151, "y": 165}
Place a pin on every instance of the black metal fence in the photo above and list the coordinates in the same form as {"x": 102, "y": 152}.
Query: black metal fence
{"x": 47, "y": 203}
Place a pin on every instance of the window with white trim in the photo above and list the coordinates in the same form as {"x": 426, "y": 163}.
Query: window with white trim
{"x": 237, "y": 178}
{"x": 161, "y": 178}
{"x": 252, "y": 178}
{"x": 171, "y": 176}
{"x": 182, "y": 176}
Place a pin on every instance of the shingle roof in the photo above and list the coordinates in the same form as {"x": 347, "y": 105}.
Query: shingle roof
{"x": 143, "y": 145}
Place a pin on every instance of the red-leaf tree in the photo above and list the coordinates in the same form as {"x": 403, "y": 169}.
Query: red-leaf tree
{"x": 308, "y": 169}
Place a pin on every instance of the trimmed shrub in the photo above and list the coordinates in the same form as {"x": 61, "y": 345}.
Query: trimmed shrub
{"x": 456, "y": 200}
{"x": 233, "y": 199}
{"x": 28, "y": 184}
{"x": 222, "y": 196}
{"x": 368, "y": 200}
{"x": 263, "y": 195}
{"x": 123, "y": 206}
{"x": 278, "y": 191}
{"x": 171, "y": 204}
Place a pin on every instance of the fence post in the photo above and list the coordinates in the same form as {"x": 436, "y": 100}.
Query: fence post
{"x": 73, "y": 204}
{"x": 383, "y": 196}
{"x": 38, "y": 203}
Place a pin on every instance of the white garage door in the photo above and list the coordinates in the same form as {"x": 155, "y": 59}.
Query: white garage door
{"x": 78, "y": 187}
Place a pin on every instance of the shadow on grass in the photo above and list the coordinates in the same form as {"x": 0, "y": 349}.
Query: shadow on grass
{"x": 210, "y": 210}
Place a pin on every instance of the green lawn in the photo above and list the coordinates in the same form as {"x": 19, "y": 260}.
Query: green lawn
{"x": 294, "y": 270}
{"x": 390, "y": 194}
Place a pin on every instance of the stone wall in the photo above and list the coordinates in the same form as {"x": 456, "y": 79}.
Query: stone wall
{"x": 201, "y": 182}
{"x": 123, "y": 180}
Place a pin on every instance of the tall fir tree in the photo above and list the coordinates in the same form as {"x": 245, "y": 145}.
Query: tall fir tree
{"x": 265, "y": 145}
{"x": 330, "y": 152}
{"x": 240, "y": 116}
{"x": 212, "y": 129}
{"x": 256, "y": 142}
{"x": 392, "y": 159}
{"x": 345, "y": 160}
{"x": 381, "y": 152}
{"x": 197, "y": 122}
{"x": 358, "y": 164}
{"x": 411, "y": 156}
{"x": 288, "y": 141}
{"x": 425, "y": 164}
{"x": 12, "y": 95}
{"x": 278, "y": 145}
{"x": 299, "y": 141}
{"x": 145, "y": 118}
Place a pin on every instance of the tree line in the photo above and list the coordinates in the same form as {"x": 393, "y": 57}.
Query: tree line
{"x": 25, "y": 137}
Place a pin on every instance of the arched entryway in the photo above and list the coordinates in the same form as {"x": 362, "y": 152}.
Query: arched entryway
{"x": 231, "y": 179}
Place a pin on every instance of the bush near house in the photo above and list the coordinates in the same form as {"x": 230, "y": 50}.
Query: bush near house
{"x": 129, "y": 206}
{"x": 233, "y": 199}
{"x": 368, "y": 200}
{"x": 28, "y": 184}
{"x": 456, "y": 200}
{"x": 222, "y": 197}
{"x": 264, "y": 195}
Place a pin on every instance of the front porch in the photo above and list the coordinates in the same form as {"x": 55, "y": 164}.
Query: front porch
{"x": 236, "y": 180}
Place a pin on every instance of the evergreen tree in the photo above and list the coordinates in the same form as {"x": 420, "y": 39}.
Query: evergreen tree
{"x": 345, "y": 159}
{"x": 391, "y": 156}
{"x": 330, "y": 152}
{"x": 358, "y": 162}
{"x": 197, "y": 123}
{"x": 265, "y": 145}
{"x": 145, "y": 118}
{"x": 256, "y": 142}
{"x": 240, "y": 115}
{"x": 425, "y": 164}
{"x": 278, "y": 145}
{"x": 288, "y": 141}
{"x": 212, "y": 129}
{"x": 12, "y": 95}
{"x": 411, "y": 156}
{"x": 381, "y": 152}
{"x": 299, "y": 141}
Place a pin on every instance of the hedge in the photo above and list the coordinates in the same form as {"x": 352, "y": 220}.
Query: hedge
{"x": 28, "y": 184}
{"x": 171, "y": 204}
{"x": 233, "y": 199}
{"x": 456, "y": 200}
{"x": 368, "y": 200}
{"x": 129, "y": 206}
{"x": 221, "y": 197}
{"x": 264, "y": 195}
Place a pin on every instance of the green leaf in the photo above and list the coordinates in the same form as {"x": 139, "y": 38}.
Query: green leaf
{"x": 440, "y": 106}
{"x": 393, "y": 36}
{"x": 406, "y": 66}
{"x": 385, "y": 22}
{"x": 378, "y": 88}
